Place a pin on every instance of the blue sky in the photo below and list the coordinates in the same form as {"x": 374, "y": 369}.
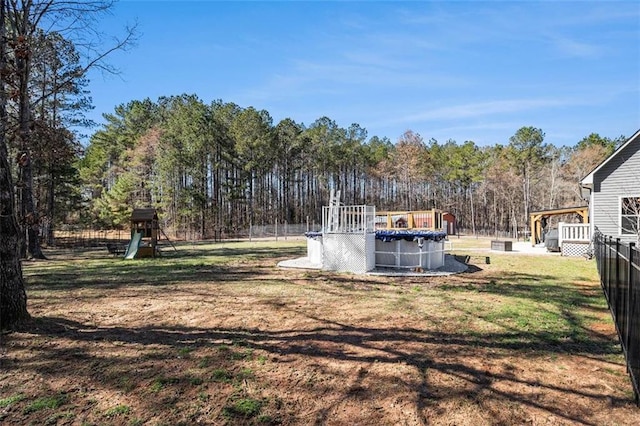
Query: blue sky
{"x": 447, "y": 70}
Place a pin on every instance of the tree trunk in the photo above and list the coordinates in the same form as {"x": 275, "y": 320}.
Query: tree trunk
{"x": 51, "y": 206}
{"x": 30, "y": 215}
{"x": 13, "y": 299}
{"x": 23, "y": 66}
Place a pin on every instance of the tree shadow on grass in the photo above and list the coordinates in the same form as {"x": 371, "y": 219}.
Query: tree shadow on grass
{"x": 535, "y": 288}
{"x": 224, "y": 265}
{"x": 337, "y": 342}
{"x": 329, "y": 341}
{"x": 554, "y": 300}
{"x": 251, "y": 252}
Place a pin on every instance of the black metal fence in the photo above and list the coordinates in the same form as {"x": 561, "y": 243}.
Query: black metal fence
{"x": 619, "y": 268}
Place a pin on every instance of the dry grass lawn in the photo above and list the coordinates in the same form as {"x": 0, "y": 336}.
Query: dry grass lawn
{"x": 215, "y": 334}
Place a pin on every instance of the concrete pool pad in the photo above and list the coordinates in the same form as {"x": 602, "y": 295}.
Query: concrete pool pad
{"x": 451, "y": 266}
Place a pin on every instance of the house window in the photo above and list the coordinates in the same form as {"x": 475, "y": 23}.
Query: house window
{"x": 630, "y": 215}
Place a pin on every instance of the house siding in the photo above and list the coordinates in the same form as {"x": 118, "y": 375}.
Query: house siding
{"x": 620, "y": 177}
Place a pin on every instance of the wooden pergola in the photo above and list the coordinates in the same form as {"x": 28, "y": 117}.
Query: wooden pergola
{"x": 537, "y": 217}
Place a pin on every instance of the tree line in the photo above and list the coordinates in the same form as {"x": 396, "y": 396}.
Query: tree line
{"x": 220, "y": 167}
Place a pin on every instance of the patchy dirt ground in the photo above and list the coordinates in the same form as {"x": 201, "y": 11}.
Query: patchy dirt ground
{"x": 247, "y": 343}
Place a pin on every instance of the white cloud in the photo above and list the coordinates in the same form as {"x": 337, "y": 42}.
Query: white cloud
{"x": 479, "y": 109}
{"x": 576, "y": 48}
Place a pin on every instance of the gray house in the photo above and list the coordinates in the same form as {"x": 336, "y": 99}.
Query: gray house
{"x": 613, "y": 192}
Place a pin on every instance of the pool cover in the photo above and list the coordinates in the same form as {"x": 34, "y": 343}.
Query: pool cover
{"x": 409, "y": 235}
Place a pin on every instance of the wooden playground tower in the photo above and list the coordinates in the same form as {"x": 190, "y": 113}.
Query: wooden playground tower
{"x": 144, "y": 228}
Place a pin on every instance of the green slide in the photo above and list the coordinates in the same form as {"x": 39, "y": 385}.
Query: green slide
{"x": 132, "y": 249}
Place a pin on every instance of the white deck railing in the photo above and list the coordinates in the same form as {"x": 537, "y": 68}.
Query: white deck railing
{"x": 574, "y": 232}
{"x": 348, "y": 219}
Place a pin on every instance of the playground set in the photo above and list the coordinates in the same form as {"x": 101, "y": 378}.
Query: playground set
{"x": 144, "y": 234}
{"x": 356, "y": 239}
